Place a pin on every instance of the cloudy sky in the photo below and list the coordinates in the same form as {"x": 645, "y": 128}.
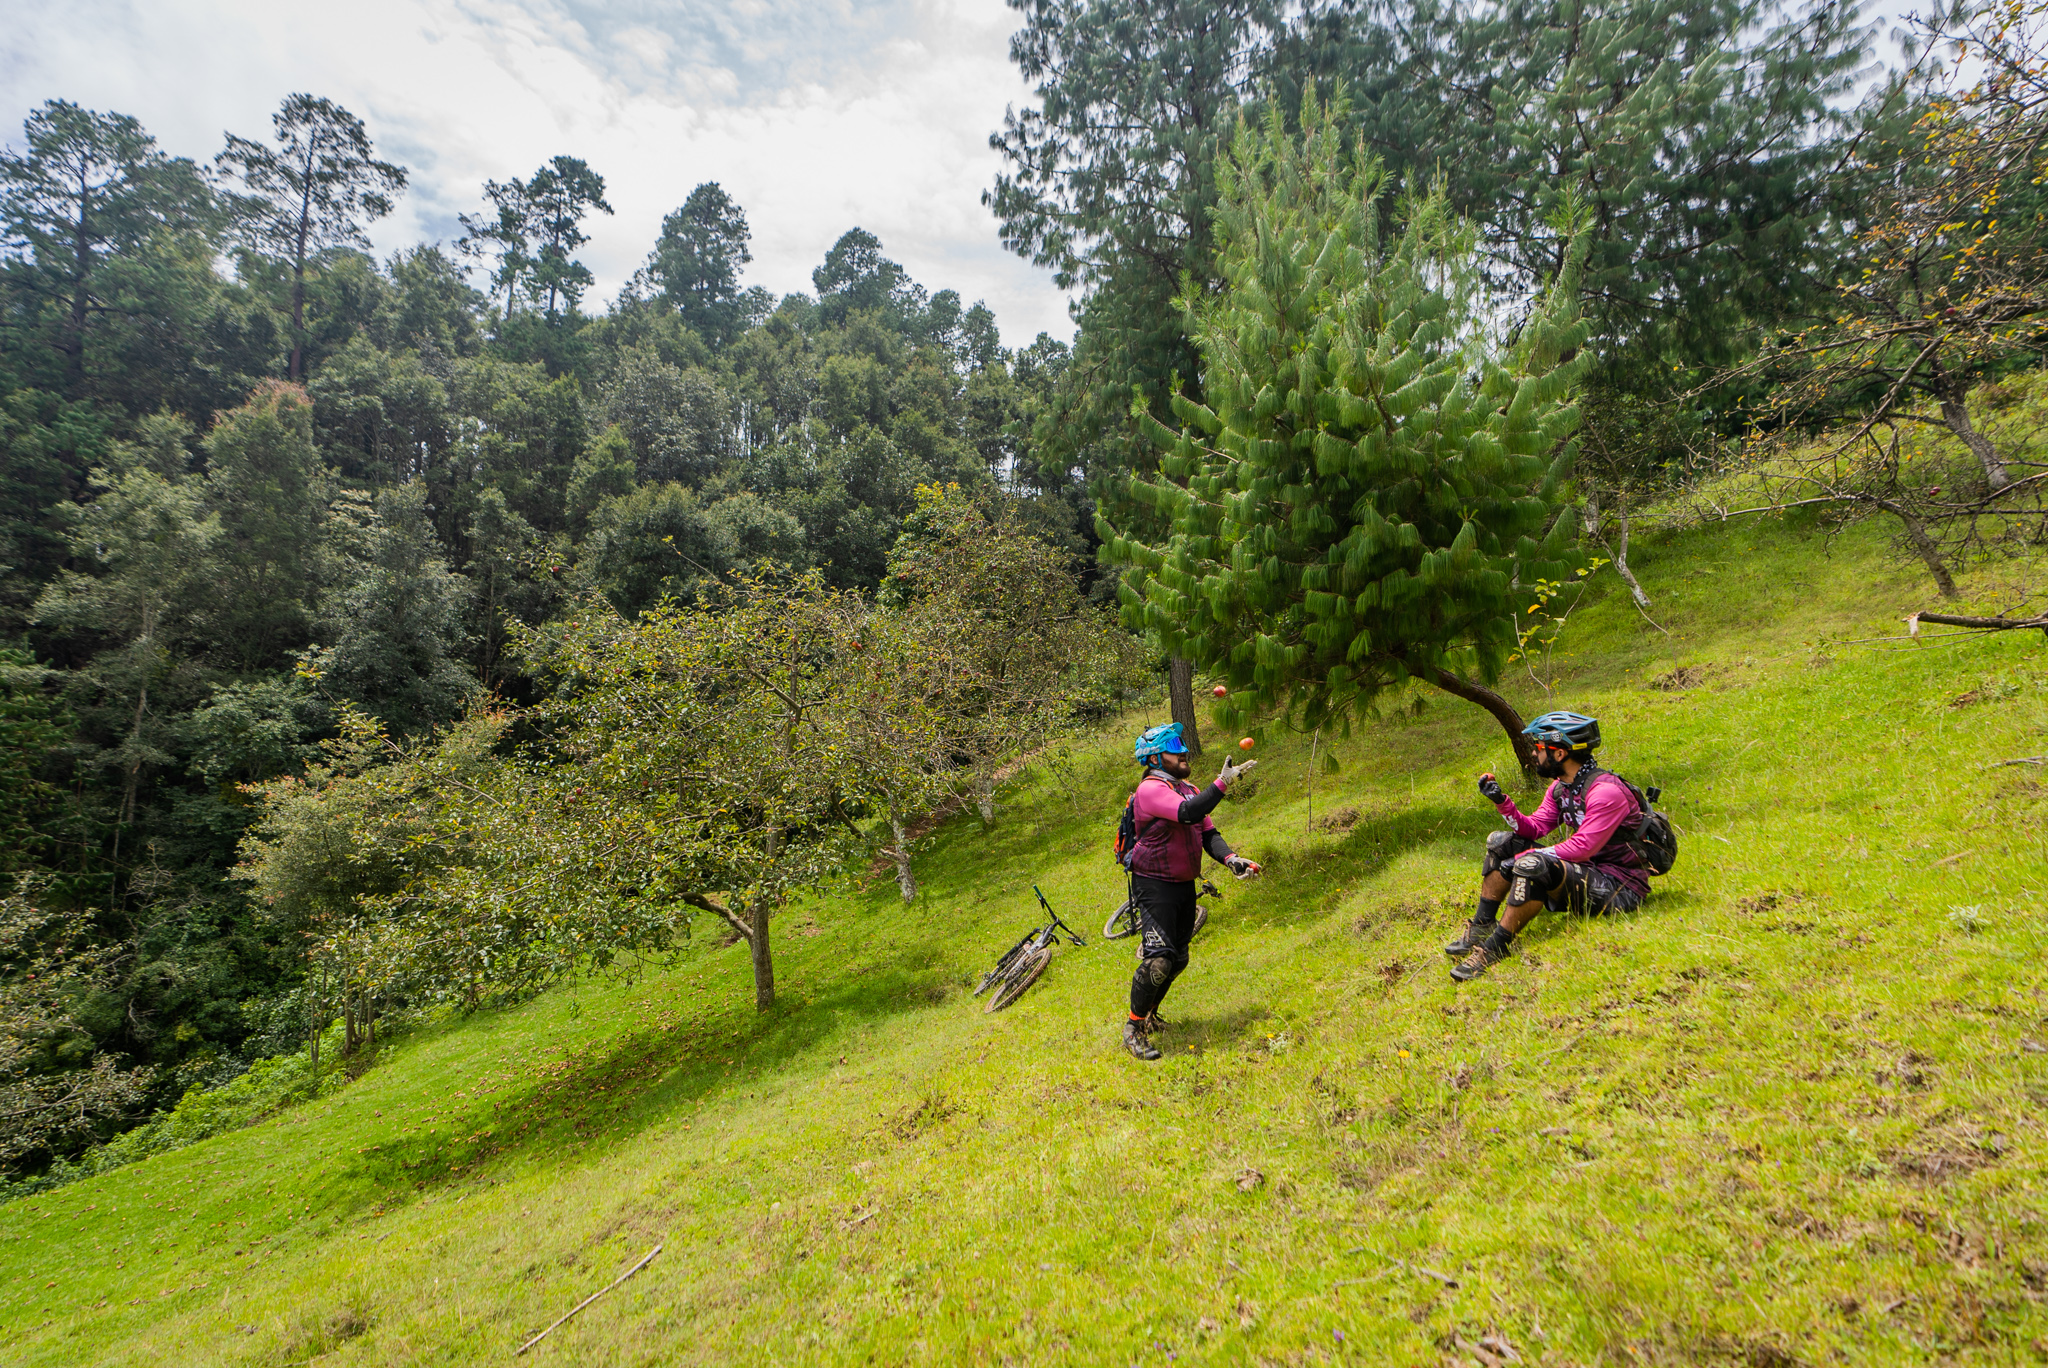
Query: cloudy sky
{"x": 816, "y": 115}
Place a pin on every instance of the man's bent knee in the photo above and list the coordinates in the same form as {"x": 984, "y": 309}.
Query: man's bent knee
{"x": 1536, "y": 875}
{"x": 1501, "y": 849}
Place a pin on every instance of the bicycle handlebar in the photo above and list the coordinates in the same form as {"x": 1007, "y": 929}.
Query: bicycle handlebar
{"x": 1071, "y": 936}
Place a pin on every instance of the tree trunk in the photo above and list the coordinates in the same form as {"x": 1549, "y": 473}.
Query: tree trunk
{"x": 1180, "y": 695}
{"x": 299, "y": 272}
{"x": 318, "y": 1009}
{"x": 298, "y": 323}
{"x": 1958, "y": 420}
{"x": 74, "y": 343}
{"x": 1502, "y": 710}
{"x": 1621, "y": 554}
{"x": 134, "y": 779}
{"x": 1923, "y": 546}
{"x": 764, "y": 966}
{"x": 906, "y": 883}
{"x": 1309, "y": 822}
{"x": 985, "y": 796}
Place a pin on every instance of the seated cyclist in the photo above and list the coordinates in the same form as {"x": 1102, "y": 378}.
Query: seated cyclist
{"x": 1592, "y": 870}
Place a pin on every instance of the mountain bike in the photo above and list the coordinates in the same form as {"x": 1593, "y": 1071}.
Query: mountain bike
{"x": 1125, "y": 920}
{"x": 1026, "y": 960}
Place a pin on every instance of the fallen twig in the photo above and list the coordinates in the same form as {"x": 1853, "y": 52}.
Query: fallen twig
{"x": 1446, "y": 1279}
{"x": 1492, "y": 1350}
{"x": 2022, "y": 760}
{"x": 644, "y": 1259}
{"x": 1560, "y": 1049}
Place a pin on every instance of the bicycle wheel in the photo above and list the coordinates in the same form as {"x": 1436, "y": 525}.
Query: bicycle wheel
{"x": 1023, "y": 976}
{"x": 1122, "y": 922}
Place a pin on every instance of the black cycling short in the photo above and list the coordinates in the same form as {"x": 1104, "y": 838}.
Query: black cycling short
{"x": 1166, "y": 916}
{"x": 1571, "y": 887}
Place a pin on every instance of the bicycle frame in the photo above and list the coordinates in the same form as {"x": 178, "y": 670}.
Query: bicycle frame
{"x": 1036, "y": 939}
{"x": 1057, "y": 924}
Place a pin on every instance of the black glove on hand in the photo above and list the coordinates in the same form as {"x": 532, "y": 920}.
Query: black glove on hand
{"x": 1490, "y": 789}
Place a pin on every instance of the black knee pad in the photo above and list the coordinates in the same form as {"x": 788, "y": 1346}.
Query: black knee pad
{"x": 1537, "y": 874}
{"x": 1501, "y": 849}
{"x": 1161, "y": 971}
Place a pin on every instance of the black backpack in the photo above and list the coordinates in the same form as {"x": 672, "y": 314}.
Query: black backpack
{"x": 1651, "y": 835}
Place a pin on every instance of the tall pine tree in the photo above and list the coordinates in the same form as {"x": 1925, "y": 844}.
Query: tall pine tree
{"x": 1369, "y": 474}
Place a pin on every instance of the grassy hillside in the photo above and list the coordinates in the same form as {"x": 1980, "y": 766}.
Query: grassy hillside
{"x": 1788, "y": 1113}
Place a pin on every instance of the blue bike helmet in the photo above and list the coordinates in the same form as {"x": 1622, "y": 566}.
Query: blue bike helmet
{"x": 1574, "y": 732}
{"x": 1158, "y": 741}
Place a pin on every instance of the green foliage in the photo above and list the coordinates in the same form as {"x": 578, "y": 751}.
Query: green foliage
{"x": 693, "y": 752}
{"x": 661, "y": 540}
{"x": 1012, "y": 656}
{"x": 680, "y": 424}
{"x": 255, "y": 730}
{"x": 696, "y": 264}
{"x": 1710, "y": 148}
{"x": 29, "y": 728}
{"x": 1370, "y": 473}
{"x": 537, "y": 226}
{"x": 603, "y": 471}
{"x": 1703, "y": 148}
{"x": 382, "y": 418}
{"x": 266, "y": 485}
{"x": 397, "y": 622}
{"x": 56, "y": 1089}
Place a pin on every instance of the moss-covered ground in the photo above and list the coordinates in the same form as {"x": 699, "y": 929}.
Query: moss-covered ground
{"x": 1790, "y": 1112}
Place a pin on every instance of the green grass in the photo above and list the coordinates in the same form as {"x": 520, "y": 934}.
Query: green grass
{"x": 1789, "y": 1112}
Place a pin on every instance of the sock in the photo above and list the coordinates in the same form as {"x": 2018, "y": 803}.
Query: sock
{"x": 1500, "y": 940}
{"x": 1489, "y": 909}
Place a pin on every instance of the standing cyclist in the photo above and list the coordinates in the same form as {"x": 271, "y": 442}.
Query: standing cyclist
{"x": 1173, "y": 829}
{"x": 1593, "y": 870}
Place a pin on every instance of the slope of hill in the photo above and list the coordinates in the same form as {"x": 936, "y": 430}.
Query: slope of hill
{"x": 1788, "y": 1113}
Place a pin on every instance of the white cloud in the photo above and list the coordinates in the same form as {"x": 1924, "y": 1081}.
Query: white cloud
{"x": 816, "y": 115}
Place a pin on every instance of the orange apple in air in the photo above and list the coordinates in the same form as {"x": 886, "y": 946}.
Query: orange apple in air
{"x": 1245, "y": 744}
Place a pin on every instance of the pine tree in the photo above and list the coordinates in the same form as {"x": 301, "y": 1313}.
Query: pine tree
{"x": 82, "y": 209}
{"x": 695, "y": 266}
{"x": 1368, "y": 477}
{"x": 315, "y": 190}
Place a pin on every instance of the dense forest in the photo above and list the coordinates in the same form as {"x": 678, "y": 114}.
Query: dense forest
{"x": 311, "y": 562}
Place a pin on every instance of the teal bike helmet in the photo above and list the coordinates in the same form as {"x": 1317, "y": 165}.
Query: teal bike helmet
{"x": 1157, "y": 741}
{"x": 1570, "y": 731}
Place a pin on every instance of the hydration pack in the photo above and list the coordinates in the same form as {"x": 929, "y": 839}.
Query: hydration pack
{"x": 1651, "y": 835}
{"x": 1126, "y": 847}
